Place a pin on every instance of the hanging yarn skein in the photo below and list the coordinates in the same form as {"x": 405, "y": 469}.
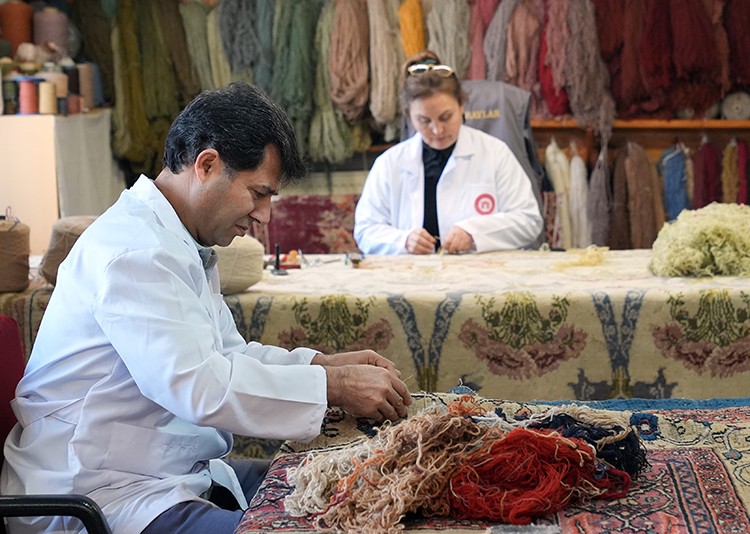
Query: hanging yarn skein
{"x": 293, "y": 72}
{"x": 221, "y": 71}
{"x": 348, "y": 64}
{"x": 330, "y": 135}
{"x": 263, "y": 66}
{"x": 236, "y": 26}
{"x": 411, "y": 22}
{"x": 15, "y": 247}
{"x": 385, "y": 60}
{"x": 495, "y": 40}
{"x": 448, "y": 30}
{"x": 194, "y": 21}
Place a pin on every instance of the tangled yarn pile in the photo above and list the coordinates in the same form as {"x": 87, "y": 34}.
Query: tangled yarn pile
{"x": 463, "y": 462}
{"x": 713, "y": 240}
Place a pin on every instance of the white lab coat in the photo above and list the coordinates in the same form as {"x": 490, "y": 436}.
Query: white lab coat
{"x": 139, "y": 377}
{"x": 483, "y": 190}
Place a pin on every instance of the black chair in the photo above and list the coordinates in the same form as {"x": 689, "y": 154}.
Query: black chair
{"x": 12, "y": 361}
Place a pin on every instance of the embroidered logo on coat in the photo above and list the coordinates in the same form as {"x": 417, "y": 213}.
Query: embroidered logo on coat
{"x": 484, "y": 204}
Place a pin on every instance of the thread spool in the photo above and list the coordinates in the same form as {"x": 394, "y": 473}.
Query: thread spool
{"x": 15, "y": 247}
{"x": 47, "y": 98}
{"x": 6, "y": 49}
{"x": 74, "y": 104}
{"x": 59, "y": 79}
{"x": 51, "y": 30}
{"x": 71, "y": 71}
{"x": 86, "y": 85}
{"x": 15, "y": 23}
{"x": 28, "y": 96}
{"x": 10, "y": 97}
{"x": 98, "y": 87}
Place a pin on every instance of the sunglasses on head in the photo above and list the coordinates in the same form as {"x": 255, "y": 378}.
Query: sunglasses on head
{"x": 444, "y": 71}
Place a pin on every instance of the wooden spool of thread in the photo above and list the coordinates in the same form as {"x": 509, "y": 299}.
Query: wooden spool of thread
{"x": 28, "y": 96}
{"x": 86, "y": 85}
{"x": 15, "y": 23}
{"x": 47, "y": 98}
{"x": 51, "y": 26}
{"x": 15, "y": 247}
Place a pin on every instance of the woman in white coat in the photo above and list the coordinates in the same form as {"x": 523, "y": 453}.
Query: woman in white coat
{"x": 449, "y": 185}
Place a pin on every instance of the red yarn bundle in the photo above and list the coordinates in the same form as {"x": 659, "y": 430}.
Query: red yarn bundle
{"x": 527, "y": 474}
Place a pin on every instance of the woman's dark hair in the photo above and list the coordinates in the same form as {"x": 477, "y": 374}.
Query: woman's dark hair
{"x": 239, "y": 121}
{"x": 429, "y": 83}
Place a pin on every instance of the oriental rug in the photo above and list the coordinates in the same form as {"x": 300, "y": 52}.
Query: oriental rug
{"x": 698, "y": 480}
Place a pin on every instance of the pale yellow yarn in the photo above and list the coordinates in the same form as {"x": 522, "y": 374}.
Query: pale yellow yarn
{"x": 240, "y": 264}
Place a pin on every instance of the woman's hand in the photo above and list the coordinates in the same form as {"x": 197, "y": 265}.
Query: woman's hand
{"x": 458, "y": 241}
{"x": 419, "y": 241}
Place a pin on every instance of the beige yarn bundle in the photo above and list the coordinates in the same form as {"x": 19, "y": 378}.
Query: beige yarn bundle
{"x": 14, "y": 255}
{"x": 240, "y": 264}
{"x": 713, "y": 240}
{"x": 65, "y": 232}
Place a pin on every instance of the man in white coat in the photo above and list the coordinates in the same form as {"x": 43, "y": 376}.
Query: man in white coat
{"x": 449, "y": 185}
{"x": 138, "y": 377}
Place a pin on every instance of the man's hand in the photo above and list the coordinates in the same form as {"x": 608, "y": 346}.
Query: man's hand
{"x": 365, "y": 384}
{"x": 363, "y": 357}
{"x": 419, "y": 241}
{"x": 457, "y": 241}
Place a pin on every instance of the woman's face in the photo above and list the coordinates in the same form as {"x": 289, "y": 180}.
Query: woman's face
{"x": 437, "y": 118}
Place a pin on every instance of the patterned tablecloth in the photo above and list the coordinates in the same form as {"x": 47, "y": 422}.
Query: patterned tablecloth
{"x": 517, "y": 325}
{"x": 521, "y": 325}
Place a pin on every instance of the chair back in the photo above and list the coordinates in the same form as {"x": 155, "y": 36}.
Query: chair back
{"x": 12, "y": 362}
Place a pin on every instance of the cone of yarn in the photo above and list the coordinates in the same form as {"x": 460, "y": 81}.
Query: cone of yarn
{"x": 240, "y": 264}
{"x": 86, "y": 84}
{"x": 736, "y": 106}
{"x": 51, "y": 30}
{"x": 15, "y": 23}
{"x": 47, "y": 98}
{"x": 15, "y": 247}
{"x": 28, "y": 96}
{"x": 65, "y": 232}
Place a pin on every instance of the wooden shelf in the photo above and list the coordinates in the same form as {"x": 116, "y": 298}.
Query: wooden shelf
{"x": 647, "y": 124}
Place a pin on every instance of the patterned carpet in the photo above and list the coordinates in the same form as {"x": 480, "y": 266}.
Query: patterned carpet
{"x": 698, "y": 480}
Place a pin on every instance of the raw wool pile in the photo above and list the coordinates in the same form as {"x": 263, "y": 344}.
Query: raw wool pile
{"x": 467, "y": 463}
{"x": 713, "y": 240}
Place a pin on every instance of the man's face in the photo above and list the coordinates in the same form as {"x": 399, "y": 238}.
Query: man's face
{"x": 227, "y": 207}
{"x": 437, "y": 118}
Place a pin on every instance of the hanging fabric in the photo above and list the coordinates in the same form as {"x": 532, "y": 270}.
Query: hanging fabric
{"x": 599, "y": 201}
{"x": 482, "y": 12}
{"x": 707, "y": 169}
{"x": 448, "y": 34}
{"x": 348, "y": 65}
{"x": 742, "y": 174}
{"x": 495, "y": 40}
{"x": 730, "y": 176}
{"x": 619, "y": 222}
{"x": 579, "y": 220}
{"x": 672, "y": 169}
{"x": 645, "y": 197}
{"x": 557, "y": 166}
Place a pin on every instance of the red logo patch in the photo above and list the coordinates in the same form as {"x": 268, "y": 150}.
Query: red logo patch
{"x": 484, "y": 204}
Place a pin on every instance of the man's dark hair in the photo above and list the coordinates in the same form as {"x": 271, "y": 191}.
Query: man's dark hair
{"x": 239, "y": 121}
